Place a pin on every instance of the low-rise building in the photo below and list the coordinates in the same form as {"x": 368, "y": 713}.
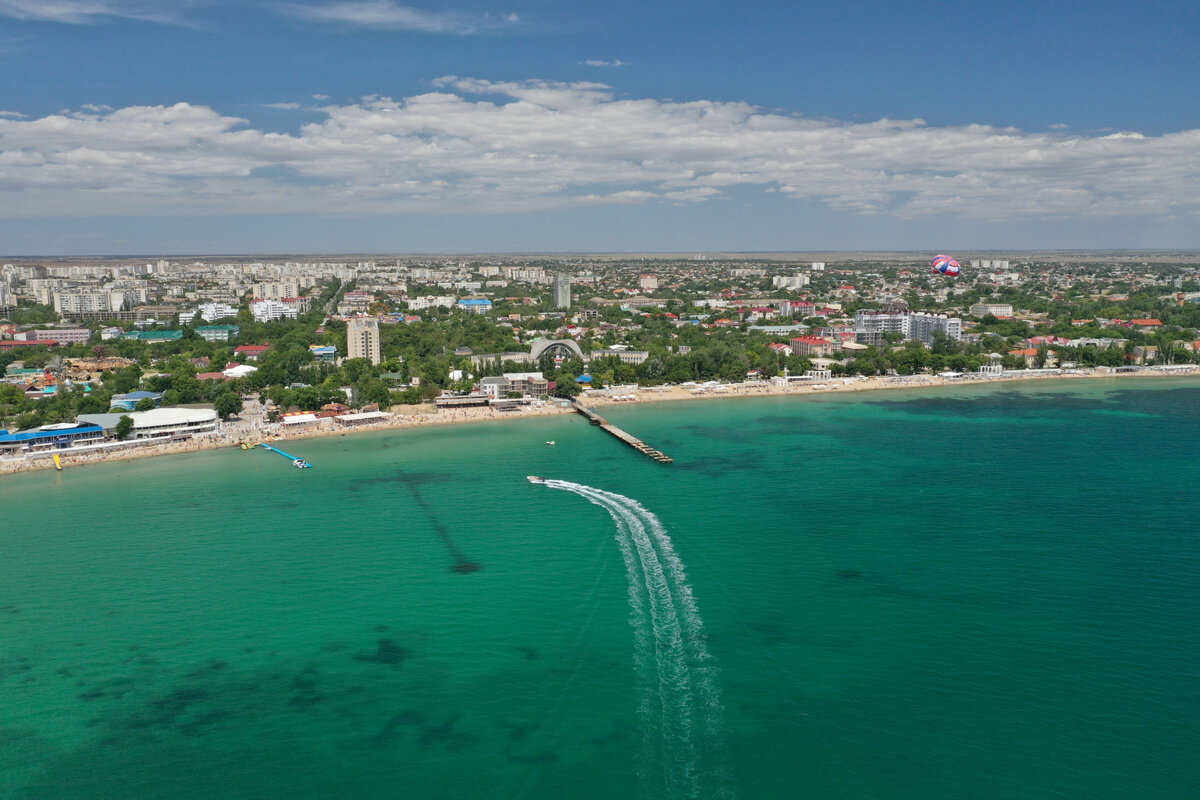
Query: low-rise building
{"x": 326, "y": 353}
{"x": 526, "y": 384}
{"x": 57, "y": 436}
{"x": 217, "y": 333}
{"x": 60, "y": 335}
{"x": 251, "y": 352}
{"x": 153, "y": 335}
{"x": 626, "y": 356}
{"x": 982, "y": 309}
{"x": 475, "y": 305}
{"x": 811, "y": 346}
{"x": 160, "y": 423}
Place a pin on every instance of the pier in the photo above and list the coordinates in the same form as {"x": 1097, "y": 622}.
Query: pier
{"x": 296, "y": 460}
{"x": 617, "y": 433}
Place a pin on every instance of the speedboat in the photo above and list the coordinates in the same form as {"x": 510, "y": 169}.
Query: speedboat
{"x": 535, "y": 479}
{"x": 550, "y": 442}
{"x": 300, "y": 463}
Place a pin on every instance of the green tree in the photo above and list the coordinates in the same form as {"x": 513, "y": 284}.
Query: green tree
{"x": 567, "y": 387}
{"x": 124, "y": 426}
{"x": 145, "y": 404}
{"x": 227, "y": 404}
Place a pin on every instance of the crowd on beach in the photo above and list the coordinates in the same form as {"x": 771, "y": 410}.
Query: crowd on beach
{"x": 252, "y": 428}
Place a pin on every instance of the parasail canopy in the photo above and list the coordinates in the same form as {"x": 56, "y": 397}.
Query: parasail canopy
{"x": 945, "y": 265}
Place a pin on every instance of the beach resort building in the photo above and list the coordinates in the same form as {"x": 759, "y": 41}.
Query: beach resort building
{"x": 812, "y": 346}
{"x": 526, "y": 384}
{"x": 57, "y": 436}
{"x": 161, "y": 423}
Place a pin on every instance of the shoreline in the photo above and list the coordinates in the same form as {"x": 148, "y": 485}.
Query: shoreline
{"x": 250, "y": 429}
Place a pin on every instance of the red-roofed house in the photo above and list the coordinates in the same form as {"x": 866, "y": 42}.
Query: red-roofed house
{"x": 1146, "y": 323}
{"x": 251, "y": 352}
{"x": 212, "y": 376}
{"x": 1030, "y": 356}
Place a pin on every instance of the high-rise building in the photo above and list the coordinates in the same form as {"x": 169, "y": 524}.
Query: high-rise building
{"x": 912, "y": 325}
{"x": 362, "y": 338}
{"x": 562, "y": 291}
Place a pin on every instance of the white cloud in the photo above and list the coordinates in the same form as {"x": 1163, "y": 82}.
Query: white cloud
{"x": 476, "y": 146}
{"x": 320, "y": 97}
{"x": 280, "y": 106}
{"x": 595, "y": 62}
{"x": 390, "y": 15}
{"x": 1059, "y": 126}
{"x": 81, "y": 12}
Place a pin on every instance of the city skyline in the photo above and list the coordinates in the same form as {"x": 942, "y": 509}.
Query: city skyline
{"x": 372, "y": 126}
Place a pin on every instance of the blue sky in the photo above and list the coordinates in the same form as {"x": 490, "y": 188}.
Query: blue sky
{"x": 135, "y": 126}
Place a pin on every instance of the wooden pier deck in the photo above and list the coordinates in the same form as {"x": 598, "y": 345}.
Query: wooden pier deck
{"x": 617, "y": 433}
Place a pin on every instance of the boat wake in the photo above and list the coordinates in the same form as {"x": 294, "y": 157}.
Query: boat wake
{"x": 678, "y": 702}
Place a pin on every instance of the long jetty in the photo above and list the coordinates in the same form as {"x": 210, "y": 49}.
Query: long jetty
{"x": 614, "y": 431}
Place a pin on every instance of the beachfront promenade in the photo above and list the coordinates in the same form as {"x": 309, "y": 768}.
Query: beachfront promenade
{"x": 252, "y": 426}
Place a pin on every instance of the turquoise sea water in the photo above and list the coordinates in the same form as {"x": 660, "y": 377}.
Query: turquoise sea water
{"x": 982, "y": 592}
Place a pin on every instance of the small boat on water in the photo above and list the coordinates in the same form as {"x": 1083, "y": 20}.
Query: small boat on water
{"x": 535, "y": 479}
{"x": 550, "y": 442}
{"x": 300, "y": 463}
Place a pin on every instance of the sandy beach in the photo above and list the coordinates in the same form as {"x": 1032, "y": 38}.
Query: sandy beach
{"x": 252, "y": 428}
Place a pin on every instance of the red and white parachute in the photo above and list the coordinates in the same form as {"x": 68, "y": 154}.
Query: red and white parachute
{"x": 945, "y": 265}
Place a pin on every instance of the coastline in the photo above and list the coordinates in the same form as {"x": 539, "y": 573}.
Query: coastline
{"x": 250, "y": 429}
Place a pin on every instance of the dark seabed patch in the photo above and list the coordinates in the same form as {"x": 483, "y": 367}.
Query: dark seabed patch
{"x": 714, "y": 433}
{"x": 386, "y": 652}
{"x": 428, "y": 733}
{"x": 111, "y": 689}
{"x": 14, "y": 666}
{"x": 414, "y": 481}
{"x": 304, "y": 689}
{"x": 719, "y": 466}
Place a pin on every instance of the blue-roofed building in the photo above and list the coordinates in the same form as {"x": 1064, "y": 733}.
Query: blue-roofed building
{"x": 129, "y": 400}
{"x": 58, "y": 436}
{"x": 584, "y": 380}
{"x": 475, "y": 305}
{"x": 327, "y": 353}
